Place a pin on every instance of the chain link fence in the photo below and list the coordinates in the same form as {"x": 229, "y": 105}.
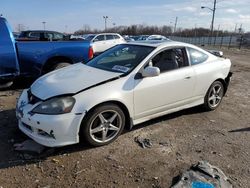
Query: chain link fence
{"x": 231, "y": 41}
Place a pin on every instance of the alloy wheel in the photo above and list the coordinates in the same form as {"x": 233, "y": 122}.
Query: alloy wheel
{"x": 215, "y": 95}
{"x": 105, "y": 126}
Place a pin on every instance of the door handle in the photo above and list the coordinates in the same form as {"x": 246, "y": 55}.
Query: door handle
{"x": 187, "y": 77}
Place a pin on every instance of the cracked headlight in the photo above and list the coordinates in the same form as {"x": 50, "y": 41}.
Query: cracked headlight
{"x": 57, "y": 105}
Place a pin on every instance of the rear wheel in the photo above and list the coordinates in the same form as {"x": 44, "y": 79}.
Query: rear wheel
{"x": 103, "y": 125}
{"x": 214, "y": 96}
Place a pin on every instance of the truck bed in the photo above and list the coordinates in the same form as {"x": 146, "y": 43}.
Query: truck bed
{"x": 33, "y": 55}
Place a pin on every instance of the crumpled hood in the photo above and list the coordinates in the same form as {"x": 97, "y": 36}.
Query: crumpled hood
{"x": 69, "y": 80}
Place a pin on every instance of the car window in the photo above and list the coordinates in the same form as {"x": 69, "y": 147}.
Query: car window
{"x": 116, "y": 37}
{"x": 100, "y": 38}
{"x": 170, "y": 59}
{"x": 197, "y": 57}
{"x": 89, "y": 37}
{"x": 58, "y": 36}
{"x": 122, "y": 58}
{"x": 48, "y": 36}
{"x": 109, "y": 37}
{"x": 34, "y": 34}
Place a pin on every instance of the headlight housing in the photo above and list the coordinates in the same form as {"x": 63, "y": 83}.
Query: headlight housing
{"x": 57, "y": 105}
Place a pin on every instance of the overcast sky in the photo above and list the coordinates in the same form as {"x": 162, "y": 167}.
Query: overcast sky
{"x": 71, "y": 15}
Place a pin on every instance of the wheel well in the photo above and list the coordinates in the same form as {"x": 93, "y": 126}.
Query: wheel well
{"x": 224, "y": 84}
{"x": 128, "y": 122}
{"x": 53, "y": 61}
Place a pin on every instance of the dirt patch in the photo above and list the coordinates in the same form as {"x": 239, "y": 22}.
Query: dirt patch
{"x": 178, "y": 140}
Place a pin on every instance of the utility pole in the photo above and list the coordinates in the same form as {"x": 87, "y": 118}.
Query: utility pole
{"x": 105, "y": 21}
{"x": 43, "y": 25}
{"x": 235, "y": 29}
{"x": 240, "y": 29}
{"x": 212, "y": 25}
{"x": 176, "y": 19}
{"x": 19, "y": 27}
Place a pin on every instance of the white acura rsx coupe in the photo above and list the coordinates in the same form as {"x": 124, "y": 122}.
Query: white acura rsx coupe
{"x": 126, "y": 85}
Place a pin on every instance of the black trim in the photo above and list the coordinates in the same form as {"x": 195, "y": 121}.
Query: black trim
{"x": 138, "y": 76}
{"x": 228, "y": 78}
{"x": 227, "y": 81}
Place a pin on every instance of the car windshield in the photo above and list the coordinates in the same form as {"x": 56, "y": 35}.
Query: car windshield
{"x": 89, "y": 37}
{"x": 121, "y": 58}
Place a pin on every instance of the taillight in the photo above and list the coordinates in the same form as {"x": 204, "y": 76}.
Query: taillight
{"x": 91, "y": 52}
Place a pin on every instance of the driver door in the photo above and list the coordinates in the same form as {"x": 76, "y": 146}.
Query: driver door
{"x": 172, "y": 88}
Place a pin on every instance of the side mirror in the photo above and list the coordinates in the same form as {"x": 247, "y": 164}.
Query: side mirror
{"x": 95, "y": 40}
{"x": 151, "y": 72}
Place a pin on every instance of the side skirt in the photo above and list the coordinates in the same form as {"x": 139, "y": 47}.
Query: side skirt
{"x": 141, "y": 120}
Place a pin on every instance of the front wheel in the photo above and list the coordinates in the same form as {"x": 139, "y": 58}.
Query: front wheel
{"x": 214, "y": 96}
{"x": 103, "y": 125}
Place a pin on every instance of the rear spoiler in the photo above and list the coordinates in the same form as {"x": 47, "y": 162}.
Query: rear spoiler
{"x": 216, "y": 53}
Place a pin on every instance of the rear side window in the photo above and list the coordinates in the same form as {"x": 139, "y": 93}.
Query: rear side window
{"x": 48, "y": 36}
{"x": 109, "y": 37}
{"x": 34, "y": 35}
{"x": 116, "y": 37}
{"x": 196, "y": 56}
{"x": 58, "y": 36}
{"x": 100, "y": 38}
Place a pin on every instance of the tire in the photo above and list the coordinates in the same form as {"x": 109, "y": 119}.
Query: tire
{"x": 214, "y": 96}
{"x": 5, "y": 85}
{"x": 60, "y": 65}
{"x": 102, "y": 125}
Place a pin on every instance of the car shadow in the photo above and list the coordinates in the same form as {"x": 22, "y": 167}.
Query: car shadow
{"x": 10, "y": 135}
{"x": 19, "y": 83}
{"x": 240, "y": 130}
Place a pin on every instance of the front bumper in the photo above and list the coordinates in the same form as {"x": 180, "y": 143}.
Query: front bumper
{"x": 48, "y": 130}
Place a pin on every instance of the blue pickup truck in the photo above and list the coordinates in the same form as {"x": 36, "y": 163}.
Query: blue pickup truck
{"x": 34, "y": 58}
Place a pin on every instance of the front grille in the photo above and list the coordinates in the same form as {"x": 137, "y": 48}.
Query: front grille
{"x": 32, "y": 98}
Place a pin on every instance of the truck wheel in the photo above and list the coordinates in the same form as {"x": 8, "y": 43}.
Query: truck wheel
{"x": 60, "y": 65}
{"x": 6, "y": 85}
{"x": 102, "y": 125}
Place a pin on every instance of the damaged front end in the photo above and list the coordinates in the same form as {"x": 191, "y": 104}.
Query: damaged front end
{"x": 50, "y": 130}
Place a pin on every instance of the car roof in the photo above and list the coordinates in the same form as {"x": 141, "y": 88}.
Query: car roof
{"x": 157, "y": 43}
{"x": 107, "y": 34}
{"x": 166, "y": 44}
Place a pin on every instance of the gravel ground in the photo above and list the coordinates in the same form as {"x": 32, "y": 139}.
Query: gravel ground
{"x": 179, "y": 140}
